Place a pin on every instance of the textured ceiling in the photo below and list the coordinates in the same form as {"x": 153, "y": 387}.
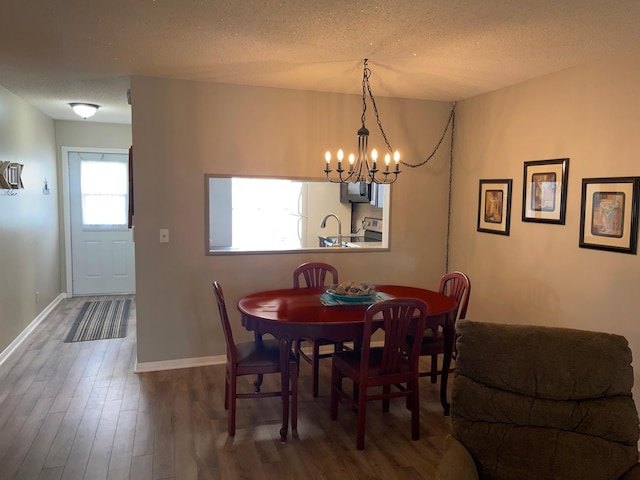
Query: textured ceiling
{"x": 53, "y": 52}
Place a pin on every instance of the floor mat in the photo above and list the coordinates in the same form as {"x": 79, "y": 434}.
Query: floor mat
{"x": 100, "y": 320}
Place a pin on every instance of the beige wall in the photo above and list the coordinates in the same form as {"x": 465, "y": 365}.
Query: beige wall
{"x": 182, "y": 130}
{"x": 29, "y": 246}
{"x": 538, "y": 275}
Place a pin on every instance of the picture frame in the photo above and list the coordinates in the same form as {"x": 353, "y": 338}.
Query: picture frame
{"x": 544, "y": 192}
{"x": 494, "y": 206}
{"x": 609, "y": 214}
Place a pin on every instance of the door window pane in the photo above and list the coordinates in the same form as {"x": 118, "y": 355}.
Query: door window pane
{"x": 104, "y": 188}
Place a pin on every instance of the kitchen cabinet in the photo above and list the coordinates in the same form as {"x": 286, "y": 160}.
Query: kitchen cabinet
{"x": 355, "y": 192}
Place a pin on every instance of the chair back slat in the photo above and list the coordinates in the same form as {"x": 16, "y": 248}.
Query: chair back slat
{"x": 457, "y": 286}
{"x": 400, "y": 318}
{"x": 315, "y": 274}
{"x": 232, "y": 353}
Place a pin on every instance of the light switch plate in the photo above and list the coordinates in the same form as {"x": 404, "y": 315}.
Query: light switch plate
{"x": 164, "y": 235}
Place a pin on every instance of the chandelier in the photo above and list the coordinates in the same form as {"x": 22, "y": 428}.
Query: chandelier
{"x": 361, "y": 169}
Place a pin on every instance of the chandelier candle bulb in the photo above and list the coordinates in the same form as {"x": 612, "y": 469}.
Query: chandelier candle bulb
{"x": 374, "y": 157}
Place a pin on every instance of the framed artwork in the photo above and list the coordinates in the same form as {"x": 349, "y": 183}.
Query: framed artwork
{"x": 494, "y": 206}
{"x": 544, "y": 193}
{"x": 609, "y": 214}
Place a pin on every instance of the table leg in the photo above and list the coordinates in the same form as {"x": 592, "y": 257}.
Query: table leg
{"x": 448, "y": 333}
{"x": 285, "y": 351}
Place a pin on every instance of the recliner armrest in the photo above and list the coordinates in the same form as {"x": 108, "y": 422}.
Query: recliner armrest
{"x": 457, "y": 463}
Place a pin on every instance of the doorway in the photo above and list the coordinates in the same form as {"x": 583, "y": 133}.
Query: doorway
{"x": 99, "y": 245}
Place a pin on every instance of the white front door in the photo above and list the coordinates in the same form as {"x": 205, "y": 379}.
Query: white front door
{"x": 102, "y": 249}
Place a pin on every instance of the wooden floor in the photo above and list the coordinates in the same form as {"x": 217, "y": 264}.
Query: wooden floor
{"x": 77, "y": 410}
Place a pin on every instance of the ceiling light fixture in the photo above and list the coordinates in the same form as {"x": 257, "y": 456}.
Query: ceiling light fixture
{"x": 85, "y": 110}
{"x": 360, "y": 169}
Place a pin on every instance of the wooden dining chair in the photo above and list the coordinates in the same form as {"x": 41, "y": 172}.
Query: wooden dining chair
{"x": 391, "y": 365}
{"x": 258, "y": 357}
{"x": 315, "y": 274}
{"x": 457, "y": 286}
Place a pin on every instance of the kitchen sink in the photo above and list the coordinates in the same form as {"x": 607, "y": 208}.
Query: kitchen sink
{"x": 333, "y": 241}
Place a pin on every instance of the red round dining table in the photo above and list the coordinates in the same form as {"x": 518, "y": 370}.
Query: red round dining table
{"x": 295, "y": 313}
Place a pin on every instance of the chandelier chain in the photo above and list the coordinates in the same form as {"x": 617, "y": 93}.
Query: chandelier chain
{"x": 365, "y": 87}
{"x": 375, "y": 109}
{"x": 450, "y": 123}
{"x": 453, "y": 128}
{"x": 365, "y": 82}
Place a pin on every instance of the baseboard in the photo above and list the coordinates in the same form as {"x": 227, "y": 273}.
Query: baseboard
{"x": 6, "y": 353}
{"x": 181, "y": 363}
{"x": 207, "y": 361}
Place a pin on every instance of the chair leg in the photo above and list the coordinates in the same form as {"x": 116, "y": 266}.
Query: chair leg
{"x": 232, "y": 407}
{"x": 226, "y": 391}
{"x": 293, "y": 372}
{"x": 258, "y": 383}
{"x": 335, "y": 387}
{"x": 362, "y": 417}
{"x": 415, "y": 410}
{"x": 356, "y": 393}
{"x": 315, "y": 366}
{"x": 296, "y": 349}
{"x": 386, "y": 389}
{"x": 434, "y": 368}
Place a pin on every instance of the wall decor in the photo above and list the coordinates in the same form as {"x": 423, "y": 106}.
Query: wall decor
{"x": 544, "y": 192}
{"x": 494, "y": 206}
{"x": 10, "y": 175}
{"x": 609, "y": 214}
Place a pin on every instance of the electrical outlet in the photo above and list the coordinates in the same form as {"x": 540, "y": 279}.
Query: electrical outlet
{"x": 164, "y": 235}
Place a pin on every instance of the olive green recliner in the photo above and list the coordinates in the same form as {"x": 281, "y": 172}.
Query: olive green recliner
{"x": 541, "y": 403}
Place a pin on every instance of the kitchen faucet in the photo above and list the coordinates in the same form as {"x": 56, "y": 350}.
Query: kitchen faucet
{"x": 324, "y": 224}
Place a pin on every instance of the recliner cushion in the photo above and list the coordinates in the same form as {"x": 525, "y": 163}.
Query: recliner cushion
{"x": 511, "y": 452}
{"x": 548, "y": 362}
{"x": 611, "y": 418}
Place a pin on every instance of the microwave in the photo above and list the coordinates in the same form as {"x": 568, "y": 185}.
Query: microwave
{"x": 355, "y": 192}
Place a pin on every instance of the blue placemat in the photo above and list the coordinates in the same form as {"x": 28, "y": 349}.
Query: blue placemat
{"x": 329, "y": 300}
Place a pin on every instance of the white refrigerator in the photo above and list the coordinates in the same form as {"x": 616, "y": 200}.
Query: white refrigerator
{"x": 318, "y": 199}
